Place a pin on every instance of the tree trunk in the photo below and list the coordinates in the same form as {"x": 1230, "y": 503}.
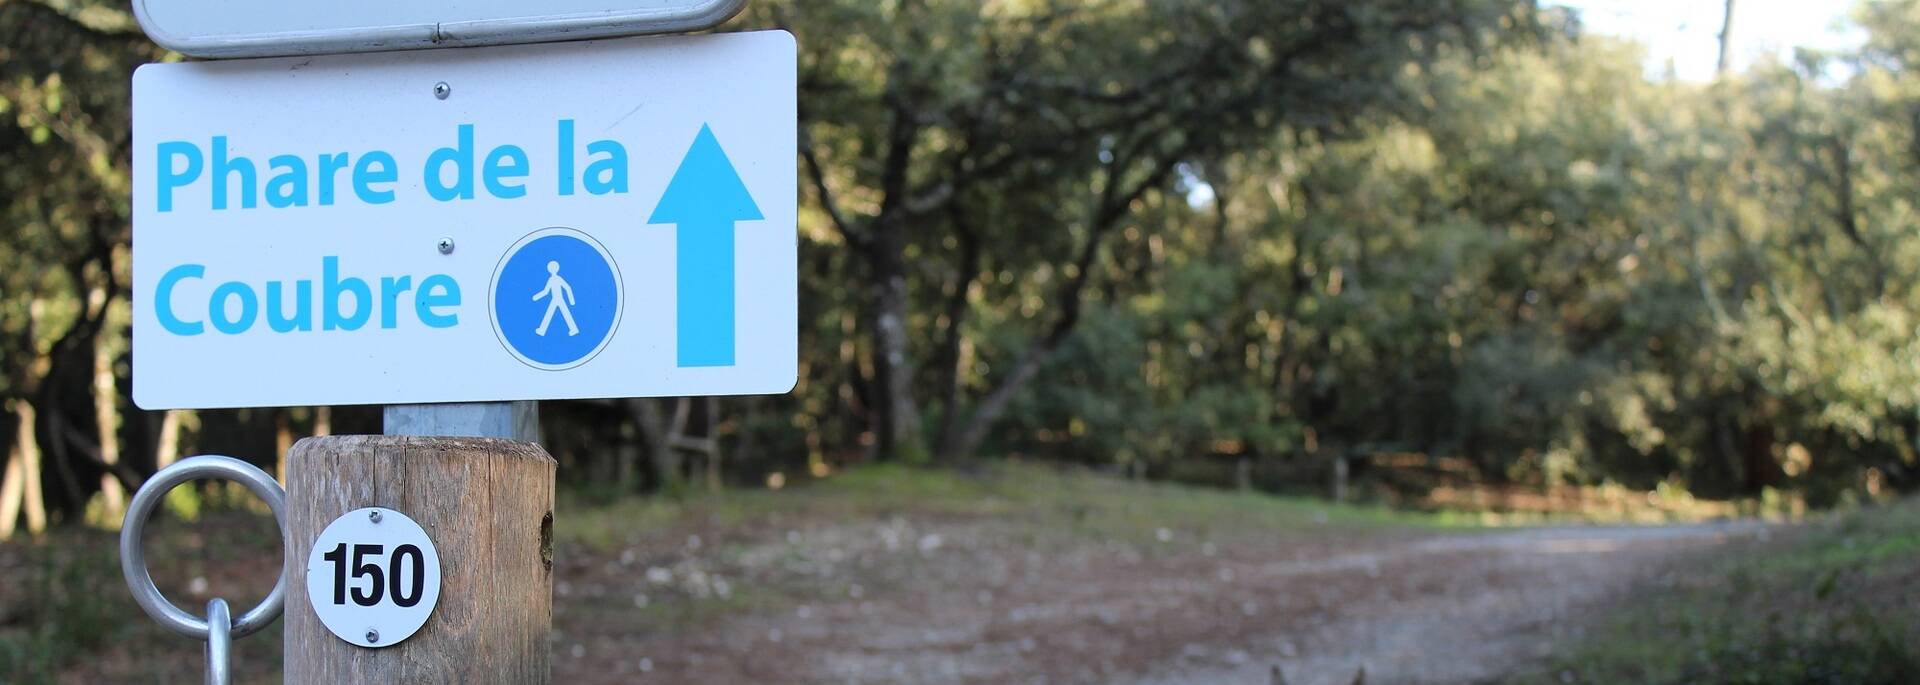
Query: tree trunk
{"x": 60, "y": 456}
{"x": 1847, "y": 216}
{"x": 12, "y": 490}
{"x": 1068, "y": 302}
{"x": 1340, "y": 475}
{"x": 1762, "y": 469}
{"x": 663, "y": 463}
{"x": 1913, "y": 132}
{"x": 283, "y": 437}
{"x": 953, "y": 352}
{"x": 20, "y": 489}
{"x": 106, "y": 415}
{"x": 1730, "y": 455}
{"x": 897, "y": 416}
{"x": 712, "y": 442}
{"x": 282, "y": 441}
{"x": 626, "y": 464}
{"x": 749, "y": 444}
{"x": 1114, "y": 204}
{"x": 1726, "y": 42}
{"x": 166, "y": 448}
{"x": 969, "y": 439}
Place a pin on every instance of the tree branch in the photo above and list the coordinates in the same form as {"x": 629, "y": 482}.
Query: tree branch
{"x": 827, "y": 202}
{"x": 1069, "y": 299}
{"x": 90, "y": 449}
{"x": 96, "y": 20}
{"x": 109, "y": 166}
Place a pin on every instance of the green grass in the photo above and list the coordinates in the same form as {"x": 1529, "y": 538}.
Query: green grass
{"x": 66, "y": 608}
{"x": 64, "y": 603}
{"x": 1837, "y": 602}
{"x": 1070, "y": 501}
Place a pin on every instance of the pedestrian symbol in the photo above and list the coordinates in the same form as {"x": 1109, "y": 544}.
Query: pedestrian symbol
{"x": 559, "y": 298}
{"x": 556, "y": 274}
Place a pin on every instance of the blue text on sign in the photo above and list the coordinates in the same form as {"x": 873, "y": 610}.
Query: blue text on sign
{"x": 448, "y": 174}
{"x": 345, "y": 304}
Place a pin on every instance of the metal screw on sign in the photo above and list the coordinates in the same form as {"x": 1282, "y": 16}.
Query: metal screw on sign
{"x": 441, "y": 90}
{"x": 219, "y": 628}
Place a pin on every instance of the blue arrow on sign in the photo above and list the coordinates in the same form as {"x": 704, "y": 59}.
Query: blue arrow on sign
{"x": 704, "y": 201}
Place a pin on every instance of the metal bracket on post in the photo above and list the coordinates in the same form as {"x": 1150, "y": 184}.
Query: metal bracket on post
{"x": 511, "y": 420}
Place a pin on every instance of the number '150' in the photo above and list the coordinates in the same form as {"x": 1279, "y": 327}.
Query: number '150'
{"x": 405, "y": 595}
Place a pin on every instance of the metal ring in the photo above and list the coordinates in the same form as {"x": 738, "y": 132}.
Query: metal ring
{"x": 219, "y": 643}
{"x": 133, "y": 554}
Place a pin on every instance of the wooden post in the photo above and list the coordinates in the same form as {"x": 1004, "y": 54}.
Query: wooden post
{"x": 488, "y": 506}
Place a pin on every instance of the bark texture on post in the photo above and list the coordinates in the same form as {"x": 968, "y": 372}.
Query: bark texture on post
{"x": 488, "y": 506}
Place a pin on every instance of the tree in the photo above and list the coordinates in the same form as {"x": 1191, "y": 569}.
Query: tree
{"x": 64, "y": 264}
{"x": 1032, "y": 132}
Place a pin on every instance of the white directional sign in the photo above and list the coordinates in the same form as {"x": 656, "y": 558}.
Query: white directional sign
{"x": 226, "y": 28}
{"x": 590, "y": 219}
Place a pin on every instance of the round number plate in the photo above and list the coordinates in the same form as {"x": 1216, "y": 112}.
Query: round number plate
{"x": 373, "y": 577}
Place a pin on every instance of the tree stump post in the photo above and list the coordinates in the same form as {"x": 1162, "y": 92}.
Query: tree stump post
{"x": 487, "y": 504}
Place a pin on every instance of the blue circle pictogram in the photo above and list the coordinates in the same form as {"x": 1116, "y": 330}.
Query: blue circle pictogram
{"x": 556, "y": 299}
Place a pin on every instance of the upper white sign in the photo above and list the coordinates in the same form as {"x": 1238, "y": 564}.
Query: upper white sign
{"x": 588, "y": 219}
{"x": 226, "y": 28}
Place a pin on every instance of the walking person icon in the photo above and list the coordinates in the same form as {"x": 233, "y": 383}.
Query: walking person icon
{"x": 551, "y": 277}
{"x": 559, "y": 299}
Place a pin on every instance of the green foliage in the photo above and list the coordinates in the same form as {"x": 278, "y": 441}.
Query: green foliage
{"x": 1551, "y": 265}
{"x": 1171, "y": 234}
{"x": 1832, "y": 605}
{"x": 68, "y": 605}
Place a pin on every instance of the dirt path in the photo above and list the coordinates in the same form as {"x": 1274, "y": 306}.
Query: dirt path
{"x": 1025, "y": 577}
{"x": 969, "y": 601}
{"x": 1461, "y": 610}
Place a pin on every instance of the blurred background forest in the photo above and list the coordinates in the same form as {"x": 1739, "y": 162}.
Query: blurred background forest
{"x": 1411, "y": 245}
